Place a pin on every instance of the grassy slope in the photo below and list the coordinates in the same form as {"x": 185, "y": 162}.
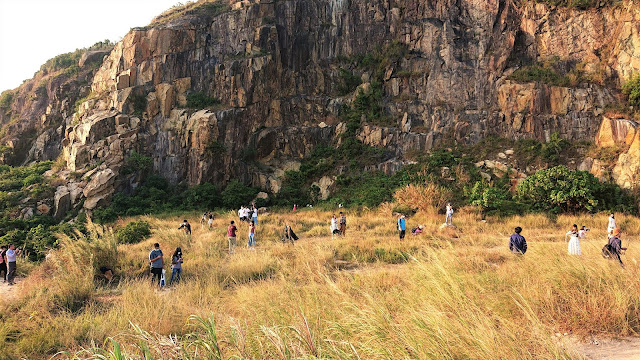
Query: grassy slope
{"x": 460, "y": 295}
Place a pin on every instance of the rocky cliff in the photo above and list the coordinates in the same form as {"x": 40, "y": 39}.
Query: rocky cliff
{"x": 448, "y": 70}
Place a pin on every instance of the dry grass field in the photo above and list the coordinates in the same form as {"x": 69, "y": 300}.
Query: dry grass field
{"x": 445, "y": 294}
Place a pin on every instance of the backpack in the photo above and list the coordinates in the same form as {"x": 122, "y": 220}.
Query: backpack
{"x": 607, "y": 251}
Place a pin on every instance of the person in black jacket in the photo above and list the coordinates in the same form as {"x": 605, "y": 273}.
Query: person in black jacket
{"x": 615, "y": 246}
{"x": 517, "y": 242}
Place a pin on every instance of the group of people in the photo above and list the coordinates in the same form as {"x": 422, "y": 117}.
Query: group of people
{"x": 156, "y": 261}
{"x": 207, "y": 219}
{"x": 248, "y": 214}
{"x": 612, "y": 250}
{"x": 8, "y": 257}
{"x": 338, "y": 226}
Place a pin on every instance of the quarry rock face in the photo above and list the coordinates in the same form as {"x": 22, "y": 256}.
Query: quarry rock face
{"x": 274, "y": 67}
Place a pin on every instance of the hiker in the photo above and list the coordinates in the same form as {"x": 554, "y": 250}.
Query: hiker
{"x": 449, "y": 219}
{"x": 343, "y": 224}
{"x": 402, "y": 226}
{"x": 612, "y": 225}
{"x": 155, "y": 259}
{"x": 417, "y": 230}
{"x": 186, "y": 226}
{"x": 255, "y": 215}
{"x": 241, "y": 213}
{"x": 334, "y": 226}
{"x": 3, "y": 263}
{"x": 288, "y": 234}
{"x": 574, "y": 241}
{"x": 231, "y": 234}
{"x": 582, "y": 233}
{"x": 295, "y": 207}
{"x": 203, "y": 219}
{"x": 517, "y": 242}
{"x": 210, "y": 221}
{"x": 11, "y": 255}
{"x": 614, "y": 248}
{"x": 252, "y": 236}
{"x": 176, "y": 265}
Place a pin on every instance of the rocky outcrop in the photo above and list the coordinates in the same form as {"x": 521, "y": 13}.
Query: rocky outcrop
{"x": 274, "y": 69}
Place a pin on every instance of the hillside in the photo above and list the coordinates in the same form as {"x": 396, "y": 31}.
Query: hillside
{"x": 216, "y": 91}
{"x": 443, "y": 294}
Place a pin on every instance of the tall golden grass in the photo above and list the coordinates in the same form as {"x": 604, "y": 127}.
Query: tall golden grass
{"x": 439, "y": 295}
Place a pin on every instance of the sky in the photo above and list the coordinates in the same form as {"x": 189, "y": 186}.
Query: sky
{"x": 33, "y": 31}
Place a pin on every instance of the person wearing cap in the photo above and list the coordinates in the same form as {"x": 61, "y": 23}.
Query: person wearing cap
{"x": 402, "y": 226}
{"x": 517, "y": 242}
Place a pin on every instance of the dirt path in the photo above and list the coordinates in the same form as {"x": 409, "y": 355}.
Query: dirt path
{"x": 614, "y": 349}
{"x": 8, "y": 293}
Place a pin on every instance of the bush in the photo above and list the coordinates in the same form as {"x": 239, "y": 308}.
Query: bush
{"x": 632, "y": 89}
{"x": 134, "y": 232}
{"x": 137, "y": 163}
{"x": 6, "y": 99}
{"x": 138, "y": 104}
{"x": 347, "y": 82}
{"x": 199, "y": 100}
{"x": 236, "y": 194}
{"x": 562, "y": 190}
{"x": 426, "y": 197}
{"x": 539, "y": 73}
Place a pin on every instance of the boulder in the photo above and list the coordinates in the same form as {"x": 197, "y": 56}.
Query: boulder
{"x": 61, "y": 202}
{"x": 43, "y": 209}
{"x": 262, "y": 195}
{"x": 99, "y": 188}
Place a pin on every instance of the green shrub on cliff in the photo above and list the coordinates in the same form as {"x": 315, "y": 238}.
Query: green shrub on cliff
{"x": 632, "y": 89}
{"x": 580, "y": 4}
{"x": 6, "y": 99}
{"x": 200, "y": 100}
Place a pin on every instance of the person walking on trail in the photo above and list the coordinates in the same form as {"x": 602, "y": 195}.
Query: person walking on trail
{"x": 614, "y": 248}
{"x": 612, "y": 224}
{"x": 334, "y": 226}
{"x": 12, "y": 255}
{"x": 155, "y": 259}
{"x": 176, "y": 266}
{"x": 186, "y": 226}
{"x": 255, "y": 216}
{"x": 402, "y": 227}
{"x": 231, "y": 235}
{"x": 252, "y": 236}
{"x": 574, "y": 241}
{"x": 343, "y": 224}
{"x": 3, "y": 263}
{"x": 517, "y": 242}
{"x": 449, "y": 219}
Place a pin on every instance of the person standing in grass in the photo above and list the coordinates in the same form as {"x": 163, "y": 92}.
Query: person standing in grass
{"x": 211, "y": 217}
{"x": 155, "y": 259}
{"x": 176, "y": 266}
{"x": 612, "y": 224}
{"x": 402, "y": 227}
{"x": 517, "y": 242}
{"x": 252, "y": 236}
{"x": 343, "y": 224}
{"x": 334, "y": 226}
{"x": 582, "y": 234}
{"x": 574, "y": 241}
{"x": 449, "y": 219}
{"x": 3, "y": 263}
{"x": 255, "y": 215}
{"x": 186, "y": 226}
{"x": 231, "y": 234}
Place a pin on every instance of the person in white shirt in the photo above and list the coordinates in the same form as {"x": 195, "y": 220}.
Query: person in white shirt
{"x": 334, "y": 226}
{"x": 612, "y": 224}
{"x": 582, "y": 233}
{"x": 255, "y": 216}
{"x": 241, "y": 213}
{"x": 449, "y": 219}
{"x": 12, "y": 255}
